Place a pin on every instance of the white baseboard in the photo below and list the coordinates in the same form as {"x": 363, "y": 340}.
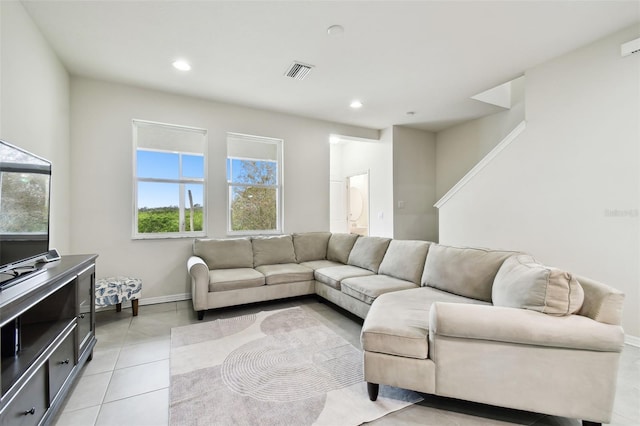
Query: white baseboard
{"x": 632, "y": 340}
{"x": 150, "y": 301}
{"x": 165, "y": 299}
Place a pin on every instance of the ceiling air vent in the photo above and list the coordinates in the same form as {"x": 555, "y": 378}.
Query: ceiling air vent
{"x": 630, "y": 47}
{"x": 298, "y": 70}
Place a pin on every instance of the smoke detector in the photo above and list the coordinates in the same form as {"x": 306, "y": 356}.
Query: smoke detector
{"x": 298, "y": 70}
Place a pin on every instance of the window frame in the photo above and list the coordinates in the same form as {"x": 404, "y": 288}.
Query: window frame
{"x": 181, "y": 181}
{"x": 278, "y": 186}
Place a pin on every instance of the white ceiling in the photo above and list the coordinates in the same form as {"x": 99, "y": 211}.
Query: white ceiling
{"x": 424, "y": 56}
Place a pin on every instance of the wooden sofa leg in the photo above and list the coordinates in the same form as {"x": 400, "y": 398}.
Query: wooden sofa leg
{"x": 588, "y": 423}
{"x": 372, "y": 389}
{"x": 200, "y": 315}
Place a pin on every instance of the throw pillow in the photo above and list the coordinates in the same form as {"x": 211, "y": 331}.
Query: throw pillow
{"x": 524, "y": 283}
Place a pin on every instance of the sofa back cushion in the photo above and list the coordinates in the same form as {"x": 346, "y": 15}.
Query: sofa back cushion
{"x": 405, "y": 260}
{"x": 224, "y": 254}
{"x": 521, "y": 282}
{"x": 340, "y": 246}
{"x": 368, "y": 252}
{"x": 311, "y": 246}
{"x": 273, "y": 250}
{"x": 466, "y": 272}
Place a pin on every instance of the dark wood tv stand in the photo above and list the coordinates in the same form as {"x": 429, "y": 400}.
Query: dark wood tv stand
{"x": 48, "y": 333}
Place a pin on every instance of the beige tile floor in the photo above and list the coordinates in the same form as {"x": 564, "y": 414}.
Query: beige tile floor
{"x": 127, "y": 382}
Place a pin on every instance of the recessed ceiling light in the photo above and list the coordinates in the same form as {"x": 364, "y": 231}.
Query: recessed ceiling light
{"x": 335, "y": 30}
{"x": 411, "y": 113}
{"x": 356, "y": 104}
{"x": 181, "y": 65}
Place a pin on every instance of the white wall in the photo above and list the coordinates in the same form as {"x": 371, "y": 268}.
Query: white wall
{"x": 34, "y": 107}
{"x": 101, "y": 155}
{"x": 460, "y": 148}
{"x": 337, "y": 191}
{"x": 376, "y": 158}
{"x": 568, "y": 189}
{"x": 414, "y": 184}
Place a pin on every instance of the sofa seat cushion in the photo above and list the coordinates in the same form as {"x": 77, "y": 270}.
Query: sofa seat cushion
{"x": 367, "y": 289}
{"x": 466, "y": 272}
{"x": 285, "y": 273}
{"x": 233, "y": 279}
{"x": 398, "y": 322}
{"x": 333, "y": 275}
{"x": 523, "y": 283}
{"x": 319, "y": 264}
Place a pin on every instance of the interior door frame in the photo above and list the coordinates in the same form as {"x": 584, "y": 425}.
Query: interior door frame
{"x": 347, "y": 180}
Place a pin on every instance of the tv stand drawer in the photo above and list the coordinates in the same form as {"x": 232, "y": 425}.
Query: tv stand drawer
{"x": 30, "y": 404}
{"x": 61, "y": 362}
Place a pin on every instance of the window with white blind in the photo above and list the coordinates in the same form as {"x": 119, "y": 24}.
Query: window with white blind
{"x": 254, "y": 179}
{"x": 169, "y": 169}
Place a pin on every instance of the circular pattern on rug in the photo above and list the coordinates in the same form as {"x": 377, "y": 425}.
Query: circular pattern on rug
{"x": 285, "y": 321}
{"x": 293, "y": 366}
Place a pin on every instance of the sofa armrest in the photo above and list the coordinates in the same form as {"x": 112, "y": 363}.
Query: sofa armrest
{"x": 601, "y": 302}
{"x": 199, "y": 272}
{"x": 522, "y": 326}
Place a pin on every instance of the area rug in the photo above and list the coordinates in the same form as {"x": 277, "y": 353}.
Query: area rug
{"x": 272, "y": 368}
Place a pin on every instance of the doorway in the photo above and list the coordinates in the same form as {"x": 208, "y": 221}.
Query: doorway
{"x": 358, "y": 204}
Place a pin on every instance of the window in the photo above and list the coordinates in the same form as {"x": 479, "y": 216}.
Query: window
{"x": 254, "y": 178}
{"x": 169, "y": 168}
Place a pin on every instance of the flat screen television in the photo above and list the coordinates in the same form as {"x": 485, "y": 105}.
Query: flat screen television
{"x": 25, "y": 182}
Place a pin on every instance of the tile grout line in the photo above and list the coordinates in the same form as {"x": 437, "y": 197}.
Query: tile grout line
{"x": 111, "y": 377}
{"x": 133, "y": 396}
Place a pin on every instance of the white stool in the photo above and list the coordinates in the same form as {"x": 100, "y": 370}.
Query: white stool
{"x": 115, "y": 290}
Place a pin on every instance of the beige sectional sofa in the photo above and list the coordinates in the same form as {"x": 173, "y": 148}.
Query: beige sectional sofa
{"x": 489, "y": 326}
{"x": 230, "y": 272}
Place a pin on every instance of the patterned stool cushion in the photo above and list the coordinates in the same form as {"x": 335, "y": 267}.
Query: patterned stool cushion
{"x": 114, "y": 290}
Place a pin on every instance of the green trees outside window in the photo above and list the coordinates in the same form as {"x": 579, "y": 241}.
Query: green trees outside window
{"x": 254, "y": 195}
{"x": 170, "y": 180}
{"x": 254, "y": 180}
{"x": 167, "y": 219}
